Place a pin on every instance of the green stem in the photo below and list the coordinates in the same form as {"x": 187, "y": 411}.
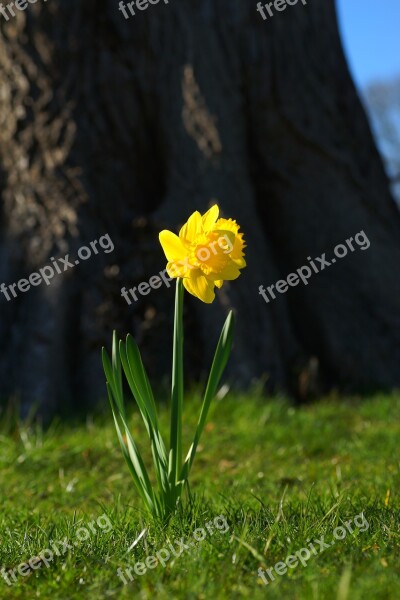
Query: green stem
{"x": 177, "y": 388}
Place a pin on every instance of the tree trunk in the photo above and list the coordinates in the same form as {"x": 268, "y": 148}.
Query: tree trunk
{"x": 124, "y": 127}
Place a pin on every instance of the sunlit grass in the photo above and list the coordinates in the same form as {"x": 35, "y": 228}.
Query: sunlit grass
{"x": 280, "y": 475}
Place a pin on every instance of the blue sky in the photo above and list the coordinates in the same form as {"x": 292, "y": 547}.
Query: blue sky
{"x": 371, "y": 35}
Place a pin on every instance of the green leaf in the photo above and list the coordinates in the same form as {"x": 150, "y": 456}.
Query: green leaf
{"x": 175, "y": 457}
{"x": 116, "y": 365}
{"x": 140, "y": 387}
{"x": 221, "y": 358}
{"x": 113, "y": 387}
{"x": 133, "y": 457}
{"x": 140, "y": 376}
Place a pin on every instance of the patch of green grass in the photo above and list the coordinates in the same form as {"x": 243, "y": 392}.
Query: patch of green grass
{"x": 281, "y": 476}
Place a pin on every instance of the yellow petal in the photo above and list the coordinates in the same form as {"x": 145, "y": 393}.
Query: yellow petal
{"x": 239, "y": 262}
{"x": 192, "y": 228}
{"x": 237, "y": 252}
{"x": 200, "y": 286}
{"x": 173, "y": 247}
{"x": 229, "y": 272}
{"x": 178, "y": 269}
{"x": 219, "y": 283}
{"x": 227, "y": 225}
{"x": 215, "y": 264}
{"x": 226, "y": 240}
{"x": 209, "y": 218}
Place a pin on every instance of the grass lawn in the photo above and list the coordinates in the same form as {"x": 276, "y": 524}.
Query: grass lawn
{"x": 281, "y": 477}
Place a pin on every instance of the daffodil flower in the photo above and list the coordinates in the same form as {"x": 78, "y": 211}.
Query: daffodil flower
{"x": 207, "y": 252}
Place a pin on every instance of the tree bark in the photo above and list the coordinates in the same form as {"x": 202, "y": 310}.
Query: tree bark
{"x": 126, "y": 127}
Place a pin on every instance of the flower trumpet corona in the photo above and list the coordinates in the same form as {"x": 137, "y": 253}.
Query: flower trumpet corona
{"x": 208, "y": 251}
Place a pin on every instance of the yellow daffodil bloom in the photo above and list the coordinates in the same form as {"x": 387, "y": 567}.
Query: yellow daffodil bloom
{"x": 207, "y": 252}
